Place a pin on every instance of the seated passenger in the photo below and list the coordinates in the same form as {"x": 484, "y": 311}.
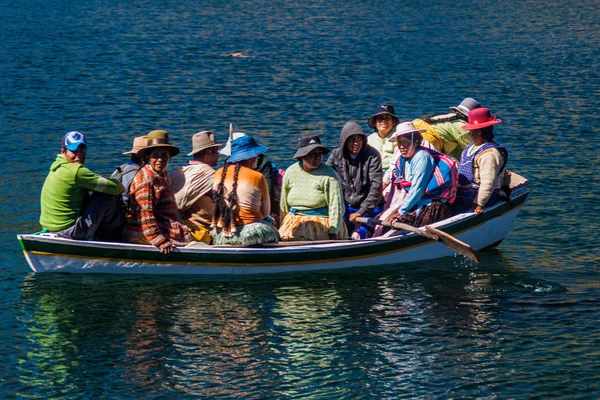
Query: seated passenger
{"x": 272, "y": 174}
{"x": 443, "y": 132}
{"x": 124, "y": 173}
{"x": 424, "y": 180}
{"x": 359, "y": 168}
{"x": 241, "y": 195}
{"x": 66, "y": 207}
{"x": 152, "y": 217}
{"x": 384, "y": 122}
{"x": 482, "y": 165}
{"x": 193, "y": 185}
{"x": 312, "y": 205}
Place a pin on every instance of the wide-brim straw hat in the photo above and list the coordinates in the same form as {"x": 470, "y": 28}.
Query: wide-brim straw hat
{"x": 480, "y": 118}
{"x": 405, "y": 128}
{"x": 203, "y": 140}
{"x": 139, "y": 143}
{"x": 383, "y": 109}
{"x": 158, "y": 139}
{"x": 244, "y": 148}
{"x": 466, "y": 106}
{"x": 308, "y": 144}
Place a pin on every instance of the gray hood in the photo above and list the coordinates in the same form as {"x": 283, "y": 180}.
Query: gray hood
{"x": 351, "y": 128}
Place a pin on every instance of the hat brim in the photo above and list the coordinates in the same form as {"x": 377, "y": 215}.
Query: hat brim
{"x": 75, "y": 146}
{"x": 247, "y": 154}
{"x": 373, "y": 124}
{"x": 199, "y": 149}
{"x": 303, "y": 151}
{"x": 174, "y": 150}
{"x": 133, "y": 151}
{"x": 395, "y": 135}
{"x": 470, "y": 127}
{"x": 460, "y": 111}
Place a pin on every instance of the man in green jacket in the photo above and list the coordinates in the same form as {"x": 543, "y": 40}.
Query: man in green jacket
{"x": 77, "y": 203}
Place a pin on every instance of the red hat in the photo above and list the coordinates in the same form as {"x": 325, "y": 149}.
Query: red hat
{"x": 480, "y": 118}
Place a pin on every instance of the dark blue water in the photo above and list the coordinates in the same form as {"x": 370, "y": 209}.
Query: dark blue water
{"x": 523, "y": 323}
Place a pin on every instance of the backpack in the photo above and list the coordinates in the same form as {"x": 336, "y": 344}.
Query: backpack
{"x": 130, "y": 170}
{"x": 124, "y": 170}
{"x": 443, "y": 183}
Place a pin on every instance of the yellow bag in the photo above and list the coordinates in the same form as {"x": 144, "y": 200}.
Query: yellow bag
{"x": 430, "y": 134}
{"x": 199, "y": 233}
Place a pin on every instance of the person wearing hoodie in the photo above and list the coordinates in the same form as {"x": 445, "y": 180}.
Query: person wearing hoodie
{"x": 359, "y": 167}
{"x": 67, "y": 209}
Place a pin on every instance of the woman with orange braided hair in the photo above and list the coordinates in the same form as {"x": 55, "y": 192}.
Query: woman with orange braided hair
{"x": 241, "y": 197}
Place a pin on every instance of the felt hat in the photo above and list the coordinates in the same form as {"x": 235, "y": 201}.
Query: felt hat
{"x": 72, "y": 140}
{"x": 383, "y": 109}
{"x": 203, "y": 140}
{"x": 307, "y": 144}
{"x": 138, "y": 144}
{"x": 406, "y": 128}
{"x": 480, "y": 118}
{"x": 466, "y": 106}
{"x": 158, "y": 139}
{"x": 244, "y": 148}
{"x": 226, "y": 151}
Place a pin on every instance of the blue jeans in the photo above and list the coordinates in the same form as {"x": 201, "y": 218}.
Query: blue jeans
{"x": 363, "y": 230}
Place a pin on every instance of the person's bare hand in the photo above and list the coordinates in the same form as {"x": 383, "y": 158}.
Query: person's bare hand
{"x": 477, "y": 209}
{"x": 353, "y": 216}
{"x": 166, "y": 247}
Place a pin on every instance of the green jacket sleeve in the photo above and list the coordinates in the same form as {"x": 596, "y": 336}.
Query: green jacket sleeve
{"x": 91, "y": 181}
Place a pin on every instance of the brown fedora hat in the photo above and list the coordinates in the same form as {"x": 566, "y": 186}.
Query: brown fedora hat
{"x": 139, "y": 143}
{"x": 203, "y": 140}
{"x": 158, "y": 138}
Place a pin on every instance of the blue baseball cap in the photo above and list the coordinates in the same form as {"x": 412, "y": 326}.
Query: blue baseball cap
{"x": 72, "y": 140}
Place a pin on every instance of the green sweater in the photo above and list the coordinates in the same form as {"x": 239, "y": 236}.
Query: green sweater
{"x": 309, "y": 190}
{"x": 64, "y": 190}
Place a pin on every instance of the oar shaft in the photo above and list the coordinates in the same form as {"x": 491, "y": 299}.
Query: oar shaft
{"x": 396, "y": 225}
{"x": 429, "y": 232}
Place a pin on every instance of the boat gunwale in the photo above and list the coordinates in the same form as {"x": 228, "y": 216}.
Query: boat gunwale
{"x": 325, "y": 251}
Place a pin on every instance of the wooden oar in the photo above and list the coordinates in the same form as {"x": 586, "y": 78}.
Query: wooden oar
{"x": 429, "y": 232}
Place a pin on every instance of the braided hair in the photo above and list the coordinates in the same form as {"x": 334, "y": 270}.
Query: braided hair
{"x": 224, "y": 215}
{"x": 444, "y": 117}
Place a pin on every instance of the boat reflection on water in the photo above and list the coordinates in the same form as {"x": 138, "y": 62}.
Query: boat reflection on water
{"x": 157, "y": 336}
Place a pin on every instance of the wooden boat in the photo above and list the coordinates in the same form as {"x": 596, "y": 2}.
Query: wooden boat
{"x": 47, "y": 253}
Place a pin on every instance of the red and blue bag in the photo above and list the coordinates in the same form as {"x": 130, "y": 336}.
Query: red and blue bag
{"x": 443, "y": 183}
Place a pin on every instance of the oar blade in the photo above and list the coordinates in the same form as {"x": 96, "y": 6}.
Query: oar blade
{"x": 453, "y": 243}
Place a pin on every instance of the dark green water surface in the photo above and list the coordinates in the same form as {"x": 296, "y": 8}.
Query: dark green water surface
{"x": 523, "y": 323}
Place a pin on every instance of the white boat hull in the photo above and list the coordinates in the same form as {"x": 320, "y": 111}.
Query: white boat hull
{"x": 52, "y": 254}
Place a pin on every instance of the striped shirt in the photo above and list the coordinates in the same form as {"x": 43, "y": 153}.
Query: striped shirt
{"x": 153, "y": 217}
